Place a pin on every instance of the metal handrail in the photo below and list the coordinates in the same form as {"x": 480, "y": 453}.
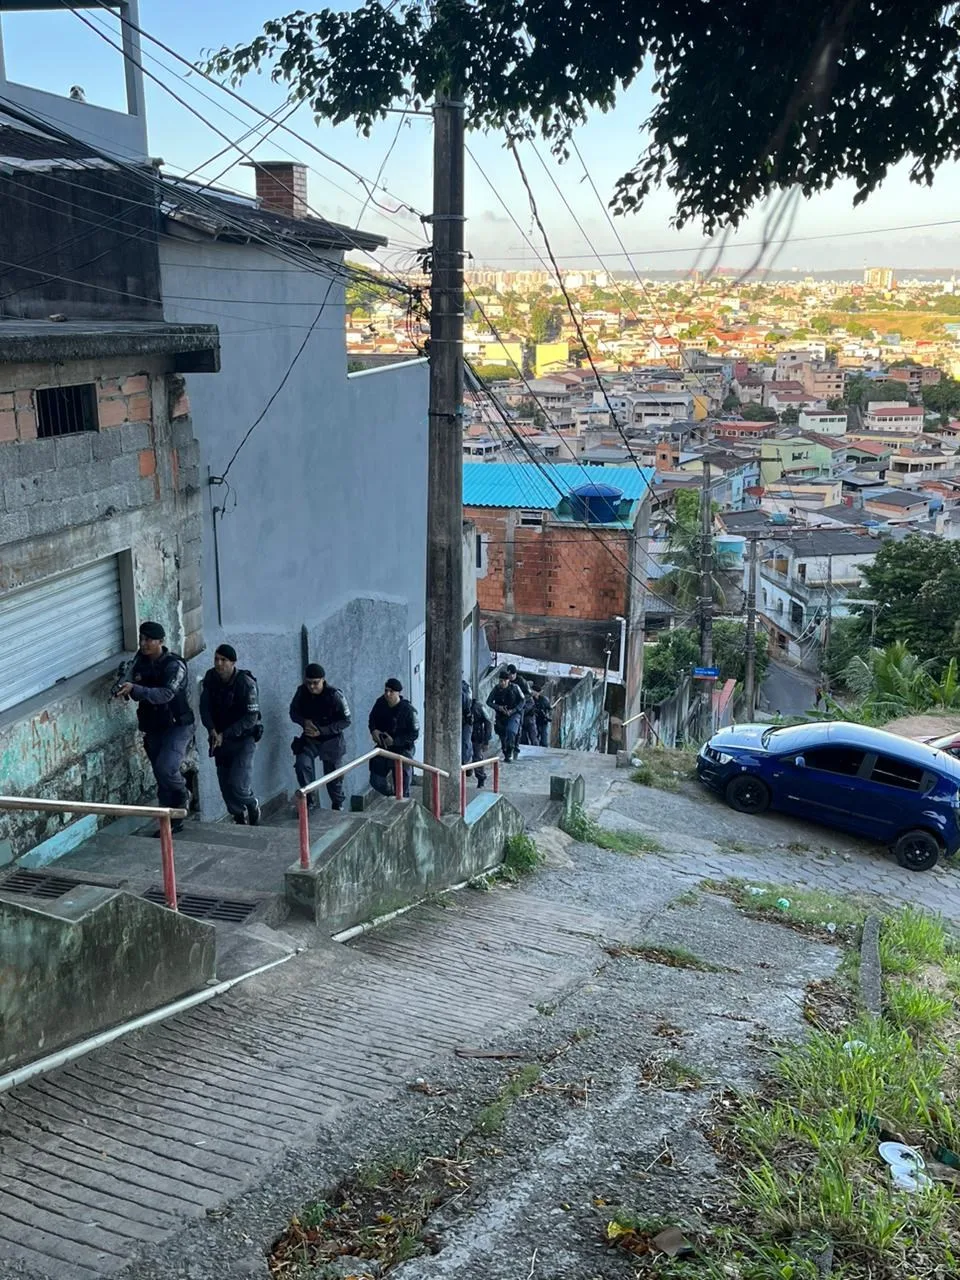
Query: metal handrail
{"x": 468, "y": 768}
{"x": 165, "y": 816}
{"x": 400, "y": 762}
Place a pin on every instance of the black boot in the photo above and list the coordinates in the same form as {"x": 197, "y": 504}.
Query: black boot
{"x": 254, "y": 814}
{"x": 240, "y": 819}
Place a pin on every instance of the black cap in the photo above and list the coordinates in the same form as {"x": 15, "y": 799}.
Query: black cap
{"x": 394, "y": 684}
{"x": 227, "y": 651}
{"x": 503, "y": 673}
{"x": 512, "y": 669}
{"x": 314, "y": 671}
{"x": 152, "y": 630}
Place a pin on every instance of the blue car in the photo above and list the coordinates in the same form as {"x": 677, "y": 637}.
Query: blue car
{"x": 861, "y": 780}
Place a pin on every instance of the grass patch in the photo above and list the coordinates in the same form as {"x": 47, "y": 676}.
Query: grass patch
{"x": 805, "y": 1152}
{"x": 661, "y": 953}
{"x": 665, "y": 768}
{"x": 809, "y": 910}
{"x": 689, "y": 898}
{"x": 491, "y": 1118}
{"x": 911, "y": 939}
{"x": 914, "y": 1008}
{"x": 588, "y": 831}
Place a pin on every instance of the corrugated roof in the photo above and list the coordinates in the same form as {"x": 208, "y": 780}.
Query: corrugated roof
{"x": 521, "y": 484}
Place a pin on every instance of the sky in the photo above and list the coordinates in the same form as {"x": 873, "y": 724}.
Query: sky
{"x": 55, "y": 50}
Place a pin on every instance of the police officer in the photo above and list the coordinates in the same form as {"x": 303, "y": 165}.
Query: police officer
{"x": 323, "y": 714}
{"x": 466, "y": 722}
{"x": 544, "y": 714}
{"x": 230, "y": 712}
{"x": 158, "y": 685}
{"x": 480, "y": 735}
{"x": 393, "y": 725}
{"x": 507, "y": 702}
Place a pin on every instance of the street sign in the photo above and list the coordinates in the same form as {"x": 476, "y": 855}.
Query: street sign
{"x": 706, "y": 673}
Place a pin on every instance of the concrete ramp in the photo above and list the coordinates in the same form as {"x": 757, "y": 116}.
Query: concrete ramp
{"x": 89, "y": 959}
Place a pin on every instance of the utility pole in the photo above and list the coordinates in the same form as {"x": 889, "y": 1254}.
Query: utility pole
{"x": 829, "y": 619}
{"x": 444, "y": 639}
{"x": 604, "y": 718}
{"x": 750, "y": 648}
{"x": 706, "y": 600}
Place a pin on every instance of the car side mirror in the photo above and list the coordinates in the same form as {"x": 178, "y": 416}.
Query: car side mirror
{"x": 800, "y": 762}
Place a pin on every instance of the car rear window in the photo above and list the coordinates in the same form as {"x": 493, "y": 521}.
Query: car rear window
{"x": 897, "y": 773}
{"x": 842, "y": 760}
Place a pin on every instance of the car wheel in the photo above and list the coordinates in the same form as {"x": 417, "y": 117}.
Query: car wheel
{"x": 917, "y": 850}
{"x": 747, "y": 794}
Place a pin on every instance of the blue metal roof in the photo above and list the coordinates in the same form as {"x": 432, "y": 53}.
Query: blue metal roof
{"x": 521, "y": 484}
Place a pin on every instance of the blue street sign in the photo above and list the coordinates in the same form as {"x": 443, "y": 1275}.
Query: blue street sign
{"x": 706, "y": 673}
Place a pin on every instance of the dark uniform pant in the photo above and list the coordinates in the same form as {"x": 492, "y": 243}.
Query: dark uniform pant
{"x": 165, "y": 750}
{"x": 305, "y": 764}
{"x": 234, "y": 761}
{"x": 543, "y": 729}
{"x": 385, "y": 782}
{"x": 508, "y": 729}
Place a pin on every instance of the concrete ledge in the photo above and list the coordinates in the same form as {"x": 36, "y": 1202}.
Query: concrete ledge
{"x": 382, "y": 865}
{"x": 87, "y": 961}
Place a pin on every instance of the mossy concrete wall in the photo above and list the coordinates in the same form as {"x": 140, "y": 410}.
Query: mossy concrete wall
{"x": 394, "y": 860}
{"x": 88, "y": 961}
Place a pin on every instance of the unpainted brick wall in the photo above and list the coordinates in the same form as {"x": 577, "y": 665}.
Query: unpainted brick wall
{"x": 133, "y": 485}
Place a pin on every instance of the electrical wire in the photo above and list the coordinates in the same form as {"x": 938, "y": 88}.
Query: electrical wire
{"x": 227, "y": 89}
{"x": 276, "y": 245}
{"x": 518, "y": 438}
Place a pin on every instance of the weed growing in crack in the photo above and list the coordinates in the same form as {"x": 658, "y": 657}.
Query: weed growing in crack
{"x": 588, "y": 831}
{"x": 521, "y": 855}
{"x": 663, "y": 953}
{"x": 491, "y": 1118}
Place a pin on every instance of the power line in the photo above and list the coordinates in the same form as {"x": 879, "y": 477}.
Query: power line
{"x": 273, "y": 243}
{"x": 197, "y": 70}
{"x": 753, "y": 244}
{"x": 177, "y": 98}
{"x": 518, "y": 438}
{"x": 569, "y": 301}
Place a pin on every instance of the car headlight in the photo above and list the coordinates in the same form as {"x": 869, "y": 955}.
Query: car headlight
{"x": 722, "y": 758}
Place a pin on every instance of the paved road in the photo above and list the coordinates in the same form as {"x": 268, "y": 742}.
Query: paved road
{"x": 786, "y": 690}
{"x": 704, "y": 838}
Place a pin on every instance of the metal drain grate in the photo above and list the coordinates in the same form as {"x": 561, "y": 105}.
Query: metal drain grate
{"x": 201, "y": 907}
{"x": 36, "y": 884}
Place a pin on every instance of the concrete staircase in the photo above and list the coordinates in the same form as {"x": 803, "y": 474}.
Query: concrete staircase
{"x": 86, "y": 942}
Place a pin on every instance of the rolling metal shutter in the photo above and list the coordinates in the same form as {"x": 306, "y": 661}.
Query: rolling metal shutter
{"x": 57, "y": 628}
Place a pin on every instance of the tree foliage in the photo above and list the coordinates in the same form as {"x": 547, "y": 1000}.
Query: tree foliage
{"x": 497, "y": 372}
{"x": 672, "y": 657}
{"x": 743, "y": 109}
{"x": 916, "y": 586}
{"x": 729, "y": 650}
{"x": 943, "y": 398}
{"x": 758, "y": 413}
{"x": 893, "y": 682}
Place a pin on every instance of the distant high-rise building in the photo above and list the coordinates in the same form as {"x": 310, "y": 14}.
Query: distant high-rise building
{"x": 878, "y": 277}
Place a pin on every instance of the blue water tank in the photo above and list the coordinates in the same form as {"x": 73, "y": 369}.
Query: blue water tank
{"x": 596, "y": 503}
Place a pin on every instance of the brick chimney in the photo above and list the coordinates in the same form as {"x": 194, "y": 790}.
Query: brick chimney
{"x": 282, "y": 186}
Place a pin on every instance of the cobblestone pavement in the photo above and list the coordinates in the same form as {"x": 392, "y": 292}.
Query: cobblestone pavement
{"x": 705, "y": 839}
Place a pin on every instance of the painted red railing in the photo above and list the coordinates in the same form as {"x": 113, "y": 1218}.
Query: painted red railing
{"x": 399, "y": 763}
{"x": 164, "y": 816}
{"x": 494, "y": 762}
